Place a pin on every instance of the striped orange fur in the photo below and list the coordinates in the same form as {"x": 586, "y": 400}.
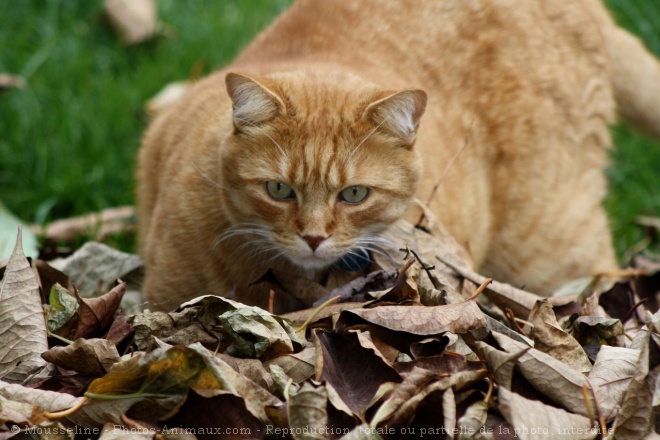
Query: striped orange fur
{"x": 381, "y": 94}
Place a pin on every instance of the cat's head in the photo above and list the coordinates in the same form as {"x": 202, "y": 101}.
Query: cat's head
{"x": 317, "y": 165}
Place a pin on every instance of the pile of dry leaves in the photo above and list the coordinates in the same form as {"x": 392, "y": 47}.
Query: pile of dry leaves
{"x": 423, "y": 347}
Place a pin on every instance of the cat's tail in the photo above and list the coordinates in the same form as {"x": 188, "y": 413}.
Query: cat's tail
{"x": 636, "y": 75}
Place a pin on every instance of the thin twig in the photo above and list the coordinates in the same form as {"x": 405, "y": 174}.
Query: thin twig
{"x": 512, "y": 318}
{"x": 491, "y": 386}
{"x": 481, "y": 288}
{"x": 99, "y": 224}
{"x": 426, "y": 267}
{"x": 587, "y": 402}
{"x": 632, "y": 310}
{"x": 66, "y": 412}
{"x": 58, "y": 337}
{"x": 303, "y": 327}
{"x": 599, "y": 413}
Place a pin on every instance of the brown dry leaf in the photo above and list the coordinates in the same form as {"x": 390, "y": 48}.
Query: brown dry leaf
{"x": 551, "y": 377}
{"x": 292, "y": 292}
{"x": 23, "y": 335}
{"x": 48, "y": 400}
{"x": 95, "y": 267}
{"x": 169, "y": 374}
{"x": 407, "y": 404}
{"x": 91, "y": 415}
{"x": 48, "y": 276}
{"x": 54, "y": 378}
{"x": 501, "y": 364}
{"x": 256, "y": 333}
{"x": 427, "y": 247}
{"x": 112, "y": 431}
{"x": 419, "y": 320}
{"x": 611, "y": 376}
{"x": 342, "y": 361}
{"x": 405, "y": 288}
{"x": 337, "y": 403}
{"x": 357, "y": 289}
{"x": 251, "y": 331}
{"x": 256, "y": 398}
{"x": 174, "y": 328}
{"x": 533, "y": 420}
{"x": 442, "y": 365}
{"x": 120, "y": 330}
{"x": 96, "y": 314}
{"x": 135, "y": 20}
{"x": 592, "y": 331}
{"x": 502, "y": 295}
{"x": 473, "y": 420}
{"x": 307, "y": 411}
{"x": 362, "y": 432}
{"x": 299, "y": 317}
{"x": 252, "y": 369}
{"x": 432, "y": 346}
{"x": 19, "y": 413}
{"x": 89, "y": 357}
{"x": 551, "y": 339}
{"x": 297, "y": 366}
{"x": 635, "y": 420}
{"x": 223, "y": 416}
{"x": 494, "y": 325}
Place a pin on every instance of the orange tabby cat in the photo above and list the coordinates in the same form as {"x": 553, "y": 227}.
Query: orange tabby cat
{"x": 318, "y": 136}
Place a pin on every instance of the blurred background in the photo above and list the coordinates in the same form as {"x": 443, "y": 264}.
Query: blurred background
{"x": 72, "y": 115}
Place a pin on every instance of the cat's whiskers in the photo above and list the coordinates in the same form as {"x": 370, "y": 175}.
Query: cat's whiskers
{"x": 375, "y": 244}
{"x": 268, "y": 136}
{"x": 275, "y": 256}
{"x": 259, "y": 249}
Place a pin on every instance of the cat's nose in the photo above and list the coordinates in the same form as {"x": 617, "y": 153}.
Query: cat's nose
{"x": 314, "y": 241}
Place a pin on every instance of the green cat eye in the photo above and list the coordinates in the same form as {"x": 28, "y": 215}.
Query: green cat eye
{"x": 279, "y": 190}
{"x": 354, "y": 194}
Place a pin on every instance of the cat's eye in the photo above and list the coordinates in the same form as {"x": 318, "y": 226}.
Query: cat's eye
{"x": 279, "y": 190}
{"x": 354, "y": 194}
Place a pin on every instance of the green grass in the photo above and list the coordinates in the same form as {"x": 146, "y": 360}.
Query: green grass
{"x": 635, "y": 174}
{"x": 68, "y": 141}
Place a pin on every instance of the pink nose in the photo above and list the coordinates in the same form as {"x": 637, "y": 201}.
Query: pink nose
{"x": 314, "y": 241}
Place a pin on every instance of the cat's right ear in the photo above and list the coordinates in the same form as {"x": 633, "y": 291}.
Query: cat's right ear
{"x": 399, "y": 114}
{"x": 253, "y": 103}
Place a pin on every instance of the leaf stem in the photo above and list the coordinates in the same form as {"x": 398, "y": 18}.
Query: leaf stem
{"x": 481, "y": 288}
{"x": 60, "y": 338}
{"x": 96, "y": 396}
{"x": 304, "y": 326}
{"x": 66, "y": 412}
{"x": 599, "y": 413}
{"x": 491, "y": 386}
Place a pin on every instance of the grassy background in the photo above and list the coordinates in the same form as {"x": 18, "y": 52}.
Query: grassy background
{"x": 68, "y": 141}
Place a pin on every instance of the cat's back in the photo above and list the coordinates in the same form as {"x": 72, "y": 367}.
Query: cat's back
{"x": 427, "y": 41}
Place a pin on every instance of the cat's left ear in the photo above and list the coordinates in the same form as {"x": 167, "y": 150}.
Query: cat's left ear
{"x": 399, "y": 114}
{"x": 253, "y": 102}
